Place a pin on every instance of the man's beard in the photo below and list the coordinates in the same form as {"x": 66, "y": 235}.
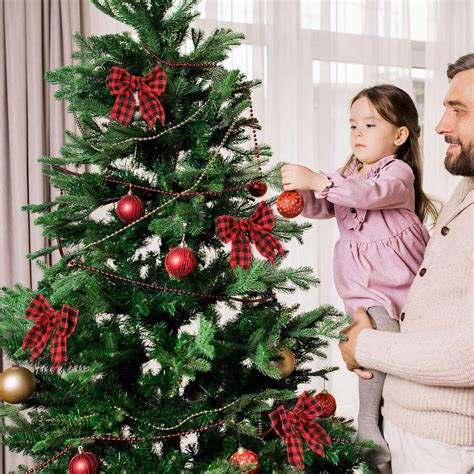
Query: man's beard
{"x": 462, "y": 164}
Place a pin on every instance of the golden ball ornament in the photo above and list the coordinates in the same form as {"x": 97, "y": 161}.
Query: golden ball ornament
{"x": 286, "y": 363}
{"x": 17, "y": 384}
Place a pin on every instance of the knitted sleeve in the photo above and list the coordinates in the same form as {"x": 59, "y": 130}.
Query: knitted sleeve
{"x": 440, "y": 358}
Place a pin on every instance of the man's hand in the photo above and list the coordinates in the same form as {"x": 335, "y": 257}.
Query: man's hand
{"x": 301, "y": 178}
{"x": 361, "y": 321}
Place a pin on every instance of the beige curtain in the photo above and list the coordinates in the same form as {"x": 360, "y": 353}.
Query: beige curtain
{"x": 35, "y": 36}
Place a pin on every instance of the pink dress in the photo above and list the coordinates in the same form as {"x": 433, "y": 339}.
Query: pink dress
{"x": 382, "y": 240}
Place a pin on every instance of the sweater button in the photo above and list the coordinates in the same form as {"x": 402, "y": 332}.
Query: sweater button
{"x": 422, "y": 271}
{"x": 402, "y": 316}
{"x": 445, "y": 230}
{"x": 353, "y": 210}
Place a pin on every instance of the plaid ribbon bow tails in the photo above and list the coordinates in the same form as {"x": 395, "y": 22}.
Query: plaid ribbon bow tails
{"x": 122, "y": 84}
{"x": 258, "y": 227}
{"x": 291, "y": 425}
{"x": 47, "y": 320}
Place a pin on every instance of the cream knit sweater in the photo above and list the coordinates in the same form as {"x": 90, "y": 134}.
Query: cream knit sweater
{"x": 429, "y": 389}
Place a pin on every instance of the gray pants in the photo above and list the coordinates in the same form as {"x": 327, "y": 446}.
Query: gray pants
{"x": 370, "y": 398}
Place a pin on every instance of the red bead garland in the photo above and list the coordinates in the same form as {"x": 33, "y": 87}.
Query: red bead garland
{"x": 124, "y": 439}
{"x": 152, "y": 286}
{"x": 152, "y": 189}
{"x": 49, "y": 461}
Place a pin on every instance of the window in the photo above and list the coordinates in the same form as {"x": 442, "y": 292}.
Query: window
{"x": 238, "y": 11}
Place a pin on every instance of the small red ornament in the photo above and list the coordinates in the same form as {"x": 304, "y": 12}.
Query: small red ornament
{"x": 244, "y": 457}
{"x": 130, "y": 208}
{"x": 83, "y": 463}
{"x": 328, "y": 403}
{"x": 257, "y": 188}
{"x": 180, "y": 261}
{"x": 290, "y": 204}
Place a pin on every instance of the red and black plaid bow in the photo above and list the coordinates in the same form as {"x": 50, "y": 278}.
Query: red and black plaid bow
{"x": 289, "y": 425}
{"x": 258, "y": 226}
{"x": 47, "y": 319}
{"x": 121, "y": 83}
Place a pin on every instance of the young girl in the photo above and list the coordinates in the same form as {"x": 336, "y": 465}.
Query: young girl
{"x": 379, "y": 206}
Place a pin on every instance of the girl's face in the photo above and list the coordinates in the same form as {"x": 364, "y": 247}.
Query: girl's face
{"x": 372, "y": 137}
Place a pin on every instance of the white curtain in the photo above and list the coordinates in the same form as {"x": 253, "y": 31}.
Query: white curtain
{"x": 450, "y": 35}
{"x": 313, "y": 56}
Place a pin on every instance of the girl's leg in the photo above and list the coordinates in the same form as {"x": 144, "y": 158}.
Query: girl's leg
{"x": 370, "y": 396}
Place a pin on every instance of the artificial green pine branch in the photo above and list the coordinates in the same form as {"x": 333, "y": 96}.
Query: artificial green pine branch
{"x": 140, "y": 358}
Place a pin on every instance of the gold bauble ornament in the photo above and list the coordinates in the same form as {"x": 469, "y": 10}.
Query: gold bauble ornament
{"x": 286, "y": 363}
{"x": 17, "y": 384}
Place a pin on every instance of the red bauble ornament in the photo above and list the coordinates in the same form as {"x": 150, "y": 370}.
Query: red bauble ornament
{"x": 130, "y": 208}
{"x": 180, "y": 261}
{"x": 290, "y": 204}
{"x": 83, "y": 463}
{"x": 257, "y": 188}
{"x": 327, "y": 402}
{"x": 244, "y": 457}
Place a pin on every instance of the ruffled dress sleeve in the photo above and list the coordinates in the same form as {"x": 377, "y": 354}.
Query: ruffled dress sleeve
{"x": 386, "y": 186}
{"x": 316, "y": 208}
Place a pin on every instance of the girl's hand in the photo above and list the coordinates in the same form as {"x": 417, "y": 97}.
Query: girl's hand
{"x": 301, "y": 178}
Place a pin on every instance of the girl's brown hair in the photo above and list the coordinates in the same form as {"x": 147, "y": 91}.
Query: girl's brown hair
{"x": 396, "y": 107}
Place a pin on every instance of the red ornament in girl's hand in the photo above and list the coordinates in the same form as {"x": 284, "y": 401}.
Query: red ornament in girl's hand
{"x": 130, "y": 208}
{"x": 83, "y": 463}
{"x": 327, "y": 402}
{"x": 290, "y": 204}
{"x": 244, "y": 457}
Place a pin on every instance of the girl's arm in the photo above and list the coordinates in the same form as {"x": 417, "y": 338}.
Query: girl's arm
{"x": 391, "y": 188}
{"x": 301, "y": 178}
{"x": 315, "y": 208}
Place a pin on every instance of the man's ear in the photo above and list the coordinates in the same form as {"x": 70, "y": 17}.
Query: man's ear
{"x": 401, "y": 136}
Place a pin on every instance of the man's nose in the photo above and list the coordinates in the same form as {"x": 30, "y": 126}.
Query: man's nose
{"x": 444, "y": 126}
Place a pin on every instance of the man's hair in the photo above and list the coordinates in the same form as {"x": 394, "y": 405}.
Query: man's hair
{"x": 462, "y": 64}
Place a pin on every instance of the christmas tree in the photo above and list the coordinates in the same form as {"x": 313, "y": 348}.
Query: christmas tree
{"x": 157, "y": 341}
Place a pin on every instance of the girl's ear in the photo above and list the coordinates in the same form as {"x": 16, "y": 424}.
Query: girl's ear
{"x": 401, "y": 136}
